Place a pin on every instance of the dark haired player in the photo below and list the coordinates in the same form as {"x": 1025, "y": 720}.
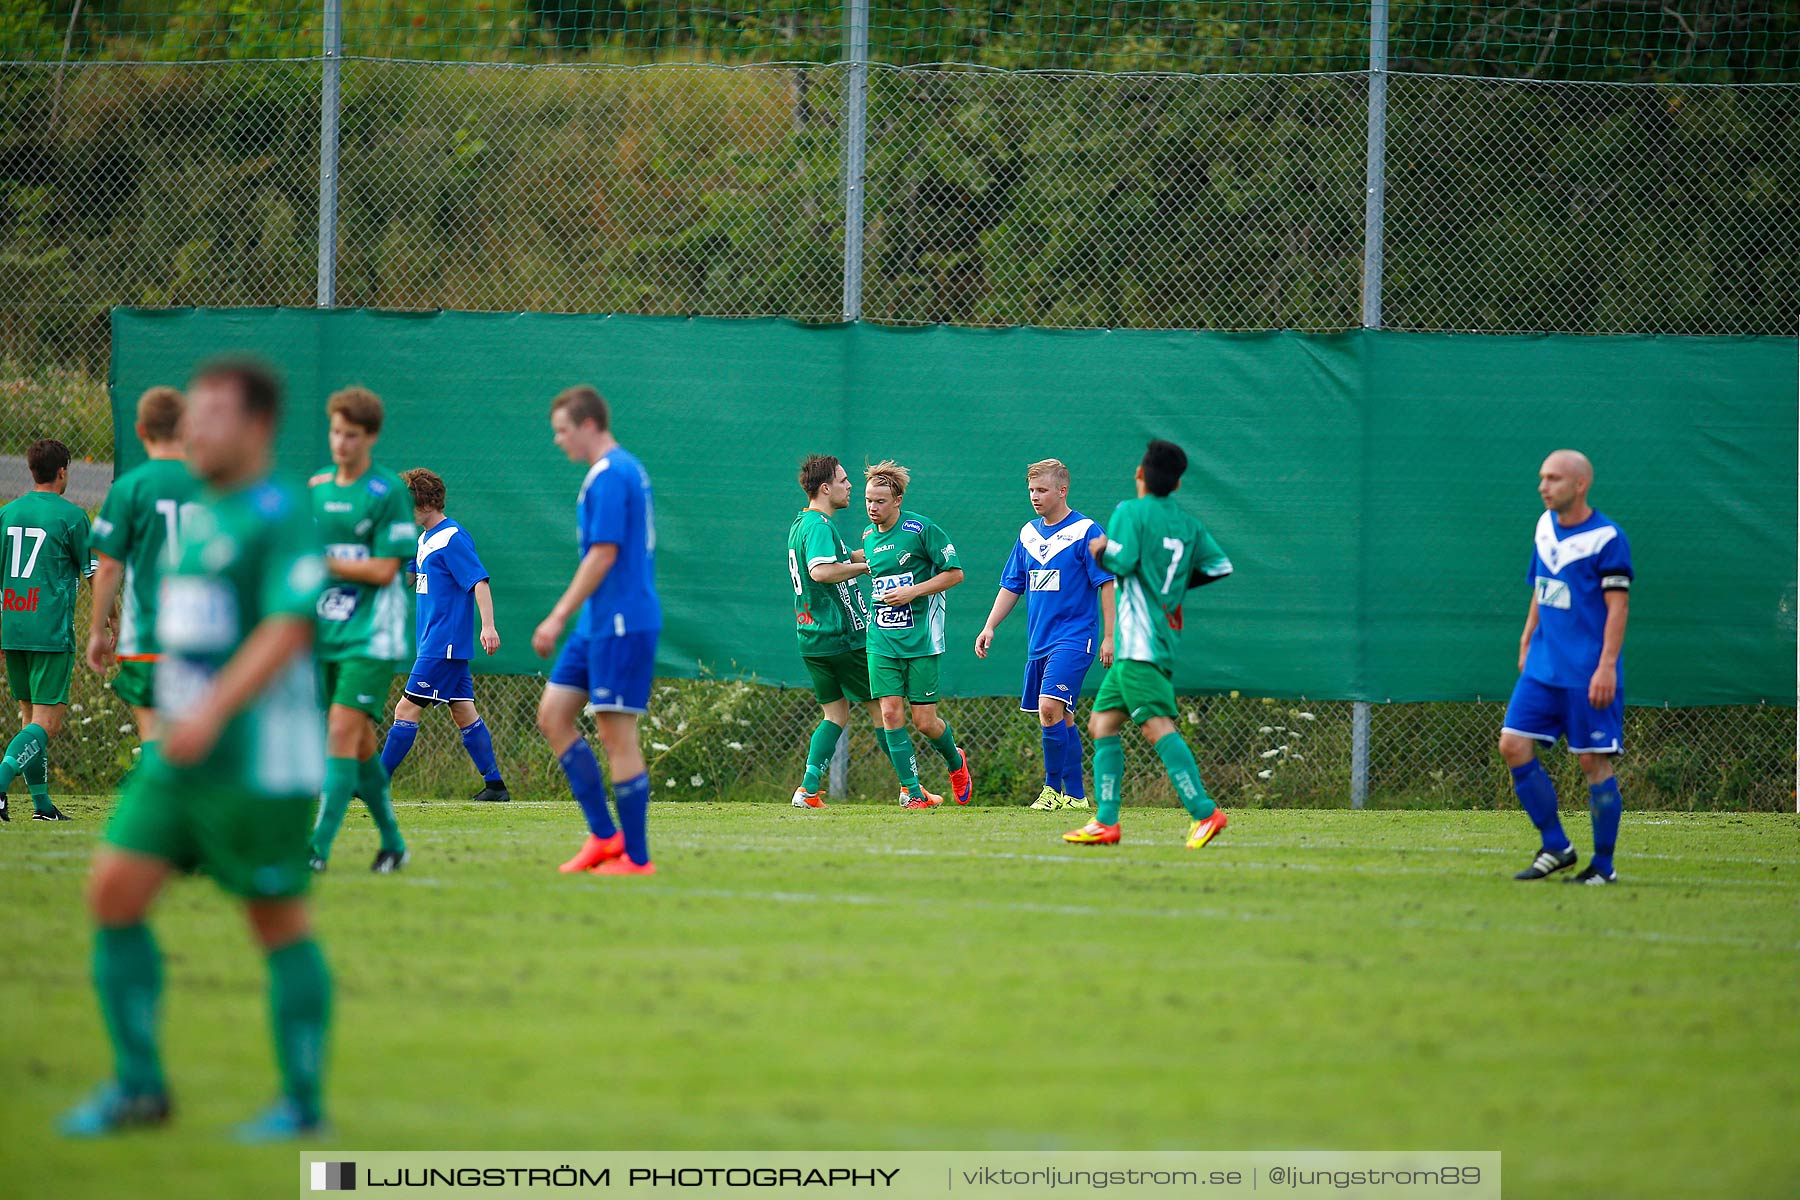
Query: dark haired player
{"x": 1158, "y": 552}
{"x": 831, "y": 616}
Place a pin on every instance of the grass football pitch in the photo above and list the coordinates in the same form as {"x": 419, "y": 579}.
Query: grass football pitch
{"x": 867, "y": 978}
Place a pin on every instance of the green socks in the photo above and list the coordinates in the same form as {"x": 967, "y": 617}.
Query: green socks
{"x": 27, "y": 744}
{"x": 1184, "y": 773}
{"x": 1109, "y": 778}
{"x": 900, "y": 753}
{"x": 372, "y": 786}
{"x": 128, "y": 977}
{"x": 819, "y": 751}
{"x": 299, "y": 1014}
{"x": 945, "y": 744}
{"x": 37, "y": 778}
{"x": 340, "y": 785}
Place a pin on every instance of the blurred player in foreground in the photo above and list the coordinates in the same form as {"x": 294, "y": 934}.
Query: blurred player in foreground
{"x": 228, "y": 788}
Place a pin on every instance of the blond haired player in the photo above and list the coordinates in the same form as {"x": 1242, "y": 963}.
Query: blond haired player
{"x": 1067, "y": 594}
{"x": 912, "y": 563}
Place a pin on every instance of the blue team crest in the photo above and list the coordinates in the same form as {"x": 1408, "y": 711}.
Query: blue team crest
{"x": 913, "y": 526}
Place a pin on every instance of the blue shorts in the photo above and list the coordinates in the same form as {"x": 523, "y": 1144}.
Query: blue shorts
{"x": 1544, "y": 713}
{"x": 439, "y": 681}
{"x": 614, "y": 670}
{"x": 1057, "y": 675}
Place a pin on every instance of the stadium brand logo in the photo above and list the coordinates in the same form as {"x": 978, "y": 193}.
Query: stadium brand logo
{"x": 337, "y": 506}
{"x": 26, "y": 602}
{"x": 334, "y": 1177}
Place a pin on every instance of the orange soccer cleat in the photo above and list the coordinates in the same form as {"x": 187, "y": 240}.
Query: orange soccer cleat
{"x": 623, "y": 866}
{"x": 593, "y": 852}
{"x": 961, "y": 786}
{"x": 806, "y": 799}
{"x": 1205, "y": 831}
{"x": 1093, "y": 834}
{"x": 923, "y": 800}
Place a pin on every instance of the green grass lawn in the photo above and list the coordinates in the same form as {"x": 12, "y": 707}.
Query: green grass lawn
{"x": 866, "y": 978}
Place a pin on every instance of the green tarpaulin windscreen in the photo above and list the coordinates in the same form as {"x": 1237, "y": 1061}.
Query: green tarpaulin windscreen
{"x": 1375, "y": 490}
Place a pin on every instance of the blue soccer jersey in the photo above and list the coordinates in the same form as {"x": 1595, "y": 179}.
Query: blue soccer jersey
{"x": 446, "y": 570}
{"x": 1060, "y": 580}
{"x": 615, "y": 508}
{"x": 1572, "y": 569}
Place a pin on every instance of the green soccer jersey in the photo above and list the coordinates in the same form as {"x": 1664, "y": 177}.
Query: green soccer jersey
{"x": 829, "y": 618}
{"x": 244, "y": 556}
{"x": 137, "y": 527}
{"x": 912, "y": 552}
{"x": 44, "y": 553}
{"x": 1155, "y": 548}
{"x": 370, "y": 518}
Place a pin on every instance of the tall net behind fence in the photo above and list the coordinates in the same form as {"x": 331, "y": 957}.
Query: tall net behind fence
{"x": 1558, "y": 166}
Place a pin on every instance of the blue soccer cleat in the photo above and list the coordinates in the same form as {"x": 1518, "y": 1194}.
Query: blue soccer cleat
{"x": 110, "y": 1110}
{"x": 282, "y": 1121}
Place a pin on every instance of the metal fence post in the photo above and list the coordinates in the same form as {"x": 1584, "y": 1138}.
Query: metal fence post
{"x": 328, "y": 152}
{"x": 856, "y": 129}
{"x": 1374, "y": 217}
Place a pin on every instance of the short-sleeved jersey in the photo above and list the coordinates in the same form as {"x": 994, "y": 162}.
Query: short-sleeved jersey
{"x": 137, "y": 527}
{"x": 44, "y": 554}
{"x": 617, "y": 508}
{"x": 445, "y": 572}
{"x": 1154, "y": 547}
{"x": 913, "y": 551}
{"x": 1050, "y": 565}
{"x": 370, "y": 517}
{"x": 1571, "y": 571}
{"x": 829, "y": 618}
{"x": 244, "y": 556}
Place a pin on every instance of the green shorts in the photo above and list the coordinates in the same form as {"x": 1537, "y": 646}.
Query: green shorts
{"x": 40, "y": 676}
{"x": 359, "y": 683}
{"x": 135, "y": 683}
{"x": 253, "y": 846}
{"x": 839, "y": 675}
{"x": 914, "y": 678}
{"x": 1142, "y": 689}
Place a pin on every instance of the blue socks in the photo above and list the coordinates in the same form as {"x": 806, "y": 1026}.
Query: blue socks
{"x": 1606, "y": 805}
{"x": 583, "y": 770}
{"x": 400, "y": 738}
{"x": 1053, "y": 756}
{"x": 633, "y": 798}
{"x": 480, "y": 746}
{"x": 1537, "y": 796}
{"x": 1071, "y": 766}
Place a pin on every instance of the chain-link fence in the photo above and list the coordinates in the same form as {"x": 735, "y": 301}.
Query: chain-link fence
{"x": 1557, "y": 166}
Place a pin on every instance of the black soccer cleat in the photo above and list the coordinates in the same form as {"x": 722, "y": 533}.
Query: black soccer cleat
{"x": 1591, "y": 875}
{"x": 1549, "y": 862}
{"x": 5, "y": 812}
{"x": 55, "y": 814}
{"x": 493, "y": 793}
{"x": 387, "y": 862}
